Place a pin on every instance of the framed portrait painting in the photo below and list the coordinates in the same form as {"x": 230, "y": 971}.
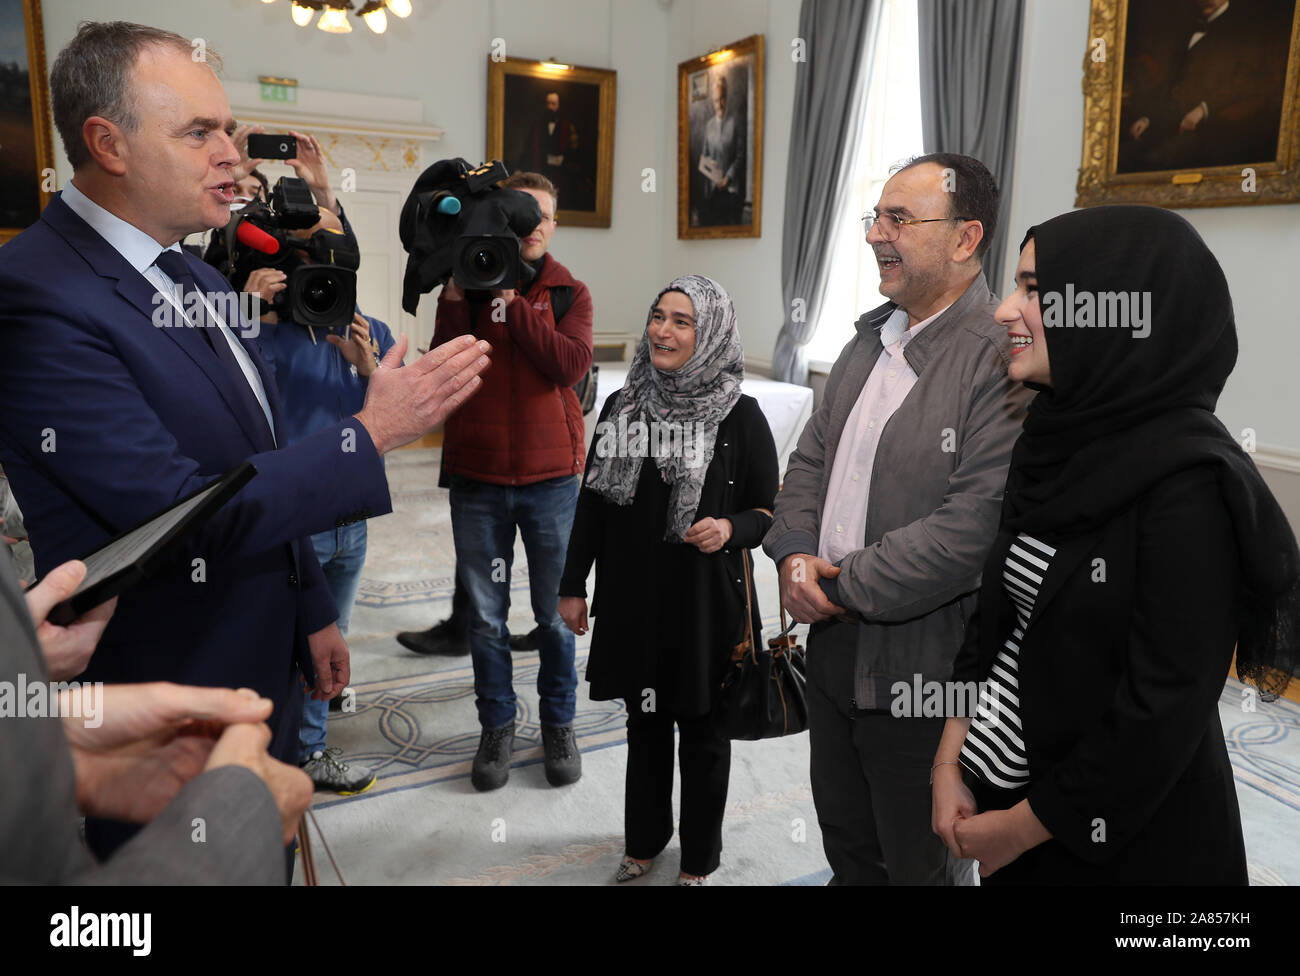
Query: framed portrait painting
{"x": 720, "y": 142}
{"x": 26, "y": 146}
{"x": 1191, "y": 103}
{"x": 557, "y": 120}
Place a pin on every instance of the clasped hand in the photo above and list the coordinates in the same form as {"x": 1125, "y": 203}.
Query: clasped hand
{"x": 803, "y": 598}
{"x": 154, "y": 738}
{"x": 994, "y": 838}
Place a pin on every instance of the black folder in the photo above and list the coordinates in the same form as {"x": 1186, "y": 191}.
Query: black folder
{"x": 138, "y": 552}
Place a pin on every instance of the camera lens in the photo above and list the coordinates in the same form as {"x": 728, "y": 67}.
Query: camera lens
{"x": 486, "y": 263}
{"x": 321, "y": 294}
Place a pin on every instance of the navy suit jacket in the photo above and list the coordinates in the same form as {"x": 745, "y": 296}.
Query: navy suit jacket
{"x": 105, "y": 419}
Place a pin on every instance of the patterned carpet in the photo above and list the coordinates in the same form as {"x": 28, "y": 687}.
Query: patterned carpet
{"x": 414, "y": 723}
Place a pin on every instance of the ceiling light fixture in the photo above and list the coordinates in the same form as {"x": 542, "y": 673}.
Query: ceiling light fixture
{"x": 335, "y": 20}
{"x": 334, "y": 13}
{"x": 373, "y": 14}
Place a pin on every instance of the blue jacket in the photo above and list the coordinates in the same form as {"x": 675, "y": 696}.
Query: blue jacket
{"x": 318, "y": 387}
{"x": 105, "y": 420}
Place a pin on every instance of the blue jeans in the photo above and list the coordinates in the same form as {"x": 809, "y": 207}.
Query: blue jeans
{"x": 342, "y": 553}
{"x": 483, "y": 521}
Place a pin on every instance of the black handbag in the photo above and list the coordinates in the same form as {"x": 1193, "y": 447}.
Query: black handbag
{"x": 762, "y": 694}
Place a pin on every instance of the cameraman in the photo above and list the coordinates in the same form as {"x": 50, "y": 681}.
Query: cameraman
{"x": 322, "y": 378}
{"x": 514, "y": 455}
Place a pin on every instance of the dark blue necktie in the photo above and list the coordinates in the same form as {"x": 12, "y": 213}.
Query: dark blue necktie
{"x": 172, "y": 263}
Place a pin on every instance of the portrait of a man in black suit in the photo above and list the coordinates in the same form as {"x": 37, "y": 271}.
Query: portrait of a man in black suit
{"x": 552, "y": 128}
{"x": 1203, "y": 83}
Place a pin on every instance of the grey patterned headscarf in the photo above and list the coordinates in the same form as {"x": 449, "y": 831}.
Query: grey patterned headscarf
{"x": 692, "y": 400}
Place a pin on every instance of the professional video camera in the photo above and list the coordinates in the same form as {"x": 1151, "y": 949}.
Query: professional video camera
{"x": 459, "y": 222}
{"x": 322, "y": 295}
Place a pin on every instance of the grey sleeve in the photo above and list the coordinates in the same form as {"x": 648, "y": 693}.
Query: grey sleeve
{"x": 222, "y": 828}
{"x": 918, "y": 567}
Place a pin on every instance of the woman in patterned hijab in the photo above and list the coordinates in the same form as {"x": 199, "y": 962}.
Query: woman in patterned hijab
{"x": 703, "y": 390}
{"x": 667, "y": 521}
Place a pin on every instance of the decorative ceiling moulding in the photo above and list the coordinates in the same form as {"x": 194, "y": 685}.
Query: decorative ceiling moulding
{"x": 370, "y": 132}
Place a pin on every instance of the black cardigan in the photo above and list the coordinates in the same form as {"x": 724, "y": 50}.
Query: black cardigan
{"x": 665, "y": 615}
{"x": 1121, "y": 668}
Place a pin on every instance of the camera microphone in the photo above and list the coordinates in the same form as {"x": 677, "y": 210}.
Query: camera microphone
{"x": 253, "y": 236}
{"x": 446, "y": 203}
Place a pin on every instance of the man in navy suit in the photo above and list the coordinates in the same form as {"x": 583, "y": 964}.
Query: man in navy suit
{"x": 127, "y": 383}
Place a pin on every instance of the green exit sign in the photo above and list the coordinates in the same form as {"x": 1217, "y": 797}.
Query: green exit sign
{"x": 278, "y": 89}
{"x": 279, "y": 93}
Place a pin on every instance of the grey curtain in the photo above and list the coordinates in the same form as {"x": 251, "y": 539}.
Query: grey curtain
{"x": 829, "y": 102}
{"x": 970, "y": 67}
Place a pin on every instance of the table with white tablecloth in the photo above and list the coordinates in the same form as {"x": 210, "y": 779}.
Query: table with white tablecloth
{"x": 787, "y": 407}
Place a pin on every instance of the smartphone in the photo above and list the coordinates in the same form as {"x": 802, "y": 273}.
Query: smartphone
{"x": 263, "y": 145}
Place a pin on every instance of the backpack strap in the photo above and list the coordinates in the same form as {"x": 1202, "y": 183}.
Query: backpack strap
{"x": 561, "y": 301}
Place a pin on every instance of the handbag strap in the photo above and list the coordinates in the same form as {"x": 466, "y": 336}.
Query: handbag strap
{"x": 747, "y": 645}
{"x": 786, "y": 642}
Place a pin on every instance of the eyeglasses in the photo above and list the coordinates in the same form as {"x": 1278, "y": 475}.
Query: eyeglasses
{"x": 891, "y": 224}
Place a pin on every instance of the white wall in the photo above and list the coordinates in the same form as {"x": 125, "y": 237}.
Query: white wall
{"x": 1258, "y": 247}
{"x": 439, "y": 55}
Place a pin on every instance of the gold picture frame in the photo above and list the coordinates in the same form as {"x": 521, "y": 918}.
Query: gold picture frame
{"x": 524, "y": 133}
{"x": 26, "y": 143}
{"x": 1145, "y": 64}
{"x": 721, "y": 194}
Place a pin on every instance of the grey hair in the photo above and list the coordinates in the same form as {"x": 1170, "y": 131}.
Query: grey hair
{"x": 92, "y": 76}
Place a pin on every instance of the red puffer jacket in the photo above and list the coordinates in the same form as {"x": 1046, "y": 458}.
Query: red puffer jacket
{"x": 525, "y": 424}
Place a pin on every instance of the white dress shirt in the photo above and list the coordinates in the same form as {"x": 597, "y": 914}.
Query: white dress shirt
{"x": 844, "y": 515}
{"x": 140, "y": 251}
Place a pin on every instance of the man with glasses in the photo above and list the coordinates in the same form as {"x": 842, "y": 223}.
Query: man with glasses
{"x": 888, "y": 507}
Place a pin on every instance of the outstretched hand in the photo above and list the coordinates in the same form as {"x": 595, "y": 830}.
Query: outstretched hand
{"x": 403, "y": 404}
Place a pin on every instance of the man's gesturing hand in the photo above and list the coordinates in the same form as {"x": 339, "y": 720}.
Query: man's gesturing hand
{"x": 799, "y": 590}
{"x": 403, "y": 404}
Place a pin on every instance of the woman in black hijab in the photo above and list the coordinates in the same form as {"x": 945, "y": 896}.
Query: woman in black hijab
{"x": 667, "y": 521}
{"x": 1138, "y": 546}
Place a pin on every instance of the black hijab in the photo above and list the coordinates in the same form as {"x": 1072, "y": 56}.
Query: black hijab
{"x": 1125, "y": 412}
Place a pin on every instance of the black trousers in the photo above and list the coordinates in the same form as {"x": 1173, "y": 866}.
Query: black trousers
{"x": 871, "y": 778}
{"x": 705, "y": 759}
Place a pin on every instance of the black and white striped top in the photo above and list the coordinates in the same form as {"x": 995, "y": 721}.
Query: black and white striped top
{"x": 994, "y": 750}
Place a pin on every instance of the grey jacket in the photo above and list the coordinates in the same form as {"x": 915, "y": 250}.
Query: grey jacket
{"x": 38, "y": 816}
{"x": 936, "y": 491}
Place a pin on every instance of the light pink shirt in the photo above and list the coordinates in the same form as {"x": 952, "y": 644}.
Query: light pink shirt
{"x": 844, "y": 516}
